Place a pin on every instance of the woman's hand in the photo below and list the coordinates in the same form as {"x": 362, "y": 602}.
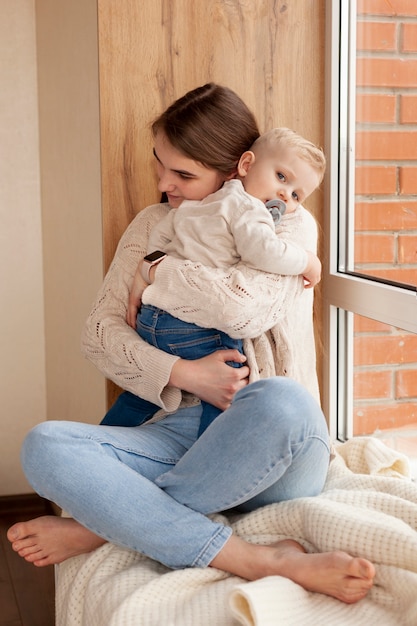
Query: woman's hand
{"x": 210, "y": 378}
{"x": 135, "y": 297}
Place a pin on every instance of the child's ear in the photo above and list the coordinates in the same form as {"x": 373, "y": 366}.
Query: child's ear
{"x": 245, "y": 163}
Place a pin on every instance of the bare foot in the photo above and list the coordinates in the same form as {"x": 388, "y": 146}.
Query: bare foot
{"x": 336, "y": 574}
{"x": 50, "y": 540}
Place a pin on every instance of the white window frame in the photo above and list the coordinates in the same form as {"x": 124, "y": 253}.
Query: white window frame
{"x": 345, "y": 294}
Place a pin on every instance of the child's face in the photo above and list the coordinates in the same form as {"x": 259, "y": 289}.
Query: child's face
{"x": 180, "y": 177}
{"x": 285, "y": 176}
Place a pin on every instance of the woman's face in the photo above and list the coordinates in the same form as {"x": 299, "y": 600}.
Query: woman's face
{"x": 180, "y": 177}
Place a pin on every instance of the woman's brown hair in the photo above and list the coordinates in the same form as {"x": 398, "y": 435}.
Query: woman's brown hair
{"x": 211, "y": 125}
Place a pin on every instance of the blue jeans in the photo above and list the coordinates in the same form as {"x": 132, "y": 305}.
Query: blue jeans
{"x": 150, "y": 488}
{"x": 188, "y": 341}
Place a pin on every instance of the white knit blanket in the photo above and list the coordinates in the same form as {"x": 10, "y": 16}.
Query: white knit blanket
{"x": 368, "y": 508}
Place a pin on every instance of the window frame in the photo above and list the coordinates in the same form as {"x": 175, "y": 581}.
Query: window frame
{"x": 346, "y": 293}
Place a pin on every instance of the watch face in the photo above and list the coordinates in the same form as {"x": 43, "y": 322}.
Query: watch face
{"x": 154, "y": 256}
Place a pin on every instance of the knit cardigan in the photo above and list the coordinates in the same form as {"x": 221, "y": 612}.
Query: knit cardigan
{"x": 272, "y": 313}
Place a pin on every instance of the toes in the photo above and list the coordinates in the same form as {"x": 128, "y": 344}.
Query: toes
{"x": 28, "y": 551}
{"x": 26, "y": 545}
{"x": 34, "y": 557}
{"x": 361, "y": 569}
{"x": 14, "y": 533}
{"x": 42, "y": 562}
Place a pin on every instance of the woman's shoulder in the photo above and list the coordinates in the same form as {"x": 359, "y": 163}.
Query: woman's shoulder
{"x": 134, "y": 240}
{"x": 147, "y": 218}
{"x": 299, "y": 226}
{"x": 300, "y": 218}
{"x": 152, "y": 213}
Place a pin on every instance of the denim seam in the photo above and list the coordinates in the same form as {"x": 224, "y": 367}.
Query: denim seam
{"x": 253, "y": 490}
{"x": 159, "y": 459}
{"x": 212, "y": 547}
{"x": 326, "y": 442}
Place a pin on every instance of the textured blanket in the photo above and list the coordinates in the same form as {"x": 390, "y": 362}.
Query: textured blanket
{"x": 368, "y": 508}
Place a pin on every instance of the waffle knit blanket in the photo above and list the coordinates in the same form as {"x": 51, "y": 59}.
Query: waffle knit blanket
{"x": 368, "y": 508}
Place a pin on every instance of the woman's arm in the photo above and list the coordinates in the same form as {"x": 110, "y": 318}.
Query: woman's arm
{"x": 123, "y": 357}
{"x": 107, "y": 340}
{"x": 120, "y": 354}
{"x": 242, "y": 302}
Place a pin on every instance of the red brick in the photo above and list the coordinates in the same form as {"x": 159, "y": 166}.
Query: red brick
{"x": 408, "y": 180}
{"x": 385, "y": 350}
{"x": 391, "y": 145}
{"x": 407, "y": 251}
{"x": 372, "y": 385}
{"x": 409, "y": 38}
{"x": 376, "y": 36}
{"x": 387, "y": 7}
{"x": 376, "y": 108}
{"x": 408, "y": 109}
{"x": 406, "y": 383}
{"x": 369, "y": 419}
{"x": 374, "y": 248}
{"x": 377, "y": 72}
{"x": 396, "y": 215}
{"x": 375, "y": 179}
{"x": 405, "y": 276}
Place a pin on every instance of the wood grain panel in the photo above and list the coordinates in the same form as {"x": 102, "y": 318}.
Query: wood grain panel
{"x": 270, "y": 52}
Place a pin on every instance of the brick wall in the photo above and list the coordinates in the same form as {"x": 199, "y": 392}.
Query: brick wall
{"x": 385, "y": 374}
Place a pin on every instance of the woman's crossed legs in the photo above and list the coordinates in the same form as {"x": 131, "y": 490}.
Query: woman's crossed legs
{"x": 149, "y": 488}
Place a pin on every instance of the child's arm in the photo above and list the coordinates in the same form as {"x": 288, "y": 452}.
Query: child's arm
{"x": 312, "y": 273}
{"x": 230, "y": 300}
{"x": 261, "y": 246}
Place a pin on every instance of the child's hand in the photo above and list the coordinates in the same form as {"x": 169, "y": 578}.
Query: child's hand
{"x": 135, "y": 297}
{"x": 312, "y": 273}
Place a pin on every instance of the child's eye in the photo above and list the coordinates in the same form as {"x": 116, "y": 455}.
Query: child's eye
{"x": 295, "y": 195}
{"x": 281, "y": 176}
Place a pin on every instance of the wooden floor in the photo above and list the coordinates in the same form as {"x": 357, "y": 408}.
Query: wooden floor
{"x": 26, "y": 592}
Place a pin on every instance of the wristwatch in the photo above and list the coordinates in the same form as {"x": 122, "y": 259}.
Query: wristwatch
{"x": 149, "y": 261}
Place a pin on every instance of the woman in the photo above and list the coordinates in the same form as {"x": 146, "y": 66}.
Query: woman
{"x": 150, "y": 488}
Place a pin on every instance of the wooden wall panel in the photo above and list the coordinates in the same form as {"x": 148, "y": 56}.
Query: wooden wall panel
{"x": 270, "y": 52}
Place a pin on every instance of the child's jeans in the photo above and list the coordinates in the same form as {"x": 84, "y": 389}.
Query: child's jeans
{"x": 188, "y": 341}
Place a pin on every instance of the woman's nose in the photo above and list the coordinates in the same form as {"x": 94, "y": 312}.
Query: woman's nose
{"x": 166, "y": 182}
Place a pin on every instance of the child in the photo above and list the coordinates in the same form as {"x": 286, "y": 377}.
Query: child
{"x": 229, "y": 226}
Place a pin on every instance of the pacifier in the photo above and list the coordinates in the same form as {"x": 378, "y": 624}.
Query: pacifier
{"x": 277, "y": 209}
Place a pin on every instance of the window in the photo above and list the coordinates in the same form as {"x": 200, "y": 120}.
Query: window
{"x": 370, "y": 377}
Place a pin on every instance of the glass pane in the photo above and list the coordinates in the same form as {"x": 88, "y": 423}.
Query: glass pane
{"x": 385, "y": 207}
{"x": 385, "y": 384}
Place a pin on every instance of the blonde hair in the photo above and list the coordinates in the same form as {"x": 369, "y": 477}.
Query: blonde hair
{"x": 281, "y": 138}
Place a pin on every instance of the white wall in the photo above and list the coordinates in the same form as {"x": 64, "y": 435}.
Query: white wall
{"x": 69, "y": 131}
{"x": 50, "y": 223}
{"x": 22, "y": 340}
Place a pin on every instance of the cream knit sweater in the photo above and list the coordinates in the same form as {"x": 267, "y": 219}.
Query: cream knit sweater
{"x": 274, "y": 311}
{"x": 224, "y": 228}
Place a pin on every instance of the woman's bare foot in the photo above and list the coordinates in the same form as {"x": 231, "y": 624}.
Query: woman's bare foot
{"x": 336, "y": 574}
{"x": 50, "y": 540}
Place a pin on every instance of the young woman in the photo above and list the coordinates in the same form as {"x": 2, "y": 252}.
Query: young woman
{"x": 151, "y": 487}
